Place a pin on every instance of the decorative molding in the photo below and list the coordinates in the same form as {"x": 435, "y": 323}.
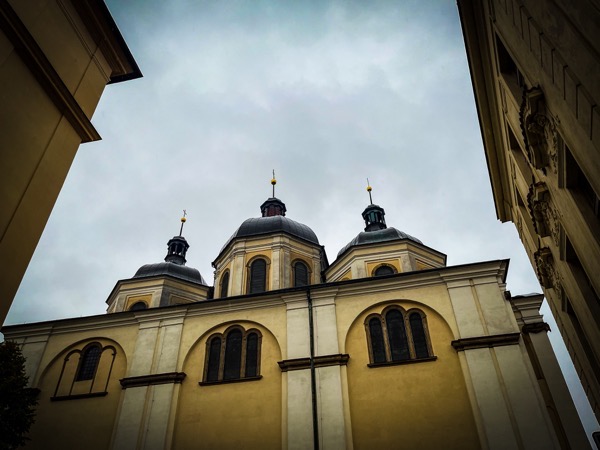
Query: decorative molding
{"x": 340, "y": 359}
{"x": 41, "y": 68}
{"x": 236, "y": 380}
{"x": 546, "y": 271}
{"x": 405, "y": 361}
{"x": 496, "y": 340}
{"x": 536, "y": 327}
{"x": 539, "y": 130}
{"x": 61, "y": 398}
{"x": 545, "y": 217}
{"x": 147, "y": 380}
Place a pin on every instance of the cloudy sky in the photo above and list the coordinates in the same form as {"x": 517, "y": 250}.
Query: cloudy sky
{"x": 327, "y": 94}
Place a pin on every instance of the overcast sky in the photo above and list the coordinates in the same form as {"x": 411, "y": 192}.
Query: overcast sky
{"x": 327, "y": 94}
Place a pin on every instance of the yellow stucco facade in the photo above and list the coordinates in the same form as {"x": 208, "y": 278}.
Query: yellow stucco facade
{"x": 56, "y": 57}
{"x": 293, "y": 358}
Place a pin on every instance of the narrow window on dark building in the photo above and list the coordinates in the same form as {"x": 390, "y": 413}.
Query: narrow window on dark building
{"x": 252, "y": 355}
{"x": 418, "y": 335}
{"x": 88, "y": 362}
{"x": 233, "y": 355}
{"x": 214, "y": 359}
{"x": 258, "y": 276}
{"x": 224, "y": 284}
{"x": 377, "y": 342}
{"x": 397, "y": 335}
{"x": 300, "y": 274}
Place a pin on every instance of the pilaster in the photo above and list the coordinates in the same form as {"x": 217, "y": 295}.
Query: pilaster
{"x": 148, "y": 398}
{"x": 505, "y": 398}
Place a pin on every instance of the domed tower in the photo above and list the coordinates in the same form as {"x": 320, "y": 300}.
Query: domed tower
{"x": 381, "y": 250}
{"x": 166, "y": 283}
{"x": 267, "y": 253}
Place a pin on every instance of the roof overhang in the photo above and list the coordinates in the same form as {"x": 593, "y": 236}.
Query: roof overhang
{"x": 106, "y": 34}
{"x": 482, "y": 65}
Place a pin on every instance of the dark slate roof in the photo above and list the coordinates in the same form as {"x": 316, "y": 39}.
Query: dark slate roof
{"x": 375, "y": 237}
{"x": 273, "y": 224}
{"x": 168, "y": 268}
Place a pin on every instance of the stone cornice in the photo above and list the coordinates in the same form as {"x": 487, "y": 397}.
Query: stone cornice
{"x": 536, "y": 327}
{"x": 340, "y": 359}
{"x": 496, "y": 340}
{"x": 157, "y": 378}
{"x": 41, "y": 68}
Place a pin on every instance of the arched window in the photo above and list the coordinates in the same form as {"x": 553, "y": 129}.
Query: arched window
{"x": 300, "y": 274}
{"x": 233, "y": 355}
{"x": 138, "y": 306}
{"x": 88, "y": 362}
{"x": 396, "y": 336}
{"x": 258, "y": 276}
{"x": 82, "y": 365}
{"x": 384, "y": 269}
{"x": 224, "y": 284}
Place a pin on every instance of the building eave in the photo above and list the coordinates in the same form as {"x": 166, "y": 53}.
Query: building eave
{"x": 478, "y": 57}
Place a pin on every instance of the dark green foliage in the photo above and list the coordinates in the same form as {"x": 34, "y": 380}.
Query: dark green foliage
{"x": 17, "y": 401}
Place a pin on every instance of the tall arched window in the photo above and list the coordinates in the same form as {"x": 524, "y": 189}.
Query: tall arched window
{"x": 384, "y": 269}
{"x": 233, "y": 355}
{"x": 224, "y": 284}
{"x": 258, "y": 276}
{"x": 300, "y": 274}
{"x": 88, "y": 362}
{"x": 396, "y": 336}
{"x": 91, "y": 365}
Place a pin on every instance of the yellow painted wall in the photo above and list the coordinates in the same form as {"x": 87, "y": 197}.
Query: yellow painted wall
{"x": 244, "y": 415}
{"x": 84, "y": 423}
{"x": 421, "y": 405}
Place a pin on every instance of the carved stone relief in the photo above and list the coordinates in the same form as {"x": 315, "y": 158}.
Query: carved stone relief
{"x": 546, "y": 271}
{"x": 544, "y": 214}
{"x": 539, "y": 130}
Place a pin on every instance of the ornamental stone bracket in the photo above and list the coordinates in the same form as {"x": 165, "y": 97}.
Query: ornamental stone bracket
{"x": 545, "y": 217}
{"x": 539, "y": 130}
{"x": 546, "y": 270}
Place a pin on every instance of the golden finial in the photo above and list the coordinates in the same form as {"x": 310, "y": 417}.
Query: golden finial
{"x": 183, "y": 219}
{"x": 273, "y": 183}
{"x": 369, "y": 189}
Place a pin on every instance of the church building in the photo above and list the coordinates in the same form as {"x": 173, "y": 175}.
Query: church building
{"x": 385, "y": 347}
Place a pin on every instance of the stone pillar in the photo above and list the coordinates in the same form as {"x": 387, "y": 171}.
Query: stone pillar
{"x": 332, "y": 431}
{"x": 276, "y": 272}
{"x": 299, "y": 403}
{"x": 559, "y": 402}
{"x": 236, "y": 277}
{"x": 328, "y": 374}
{"x": 506, "y": 400}
{"x": 144, "y": 420}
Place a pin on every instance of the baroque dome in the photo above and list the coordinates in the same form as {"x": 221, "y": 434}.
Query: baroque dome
{"x": 172, "y": 269}
{"x": 376, "y": 237}
{"x": 273, "y": 220}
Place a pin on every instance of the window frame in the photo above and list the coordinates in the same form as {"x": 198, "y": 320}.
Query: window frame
{"x": 379, "y": 266}
{"x": 222, "y": 356}
{"x": 226, "y": 273}
{"x": 94, "y": 389}
{"x": 308, "y": 272}
{"x": 249, "y": 273}
{"x": 408, "y": 334}
{"x": 141, "y": 302}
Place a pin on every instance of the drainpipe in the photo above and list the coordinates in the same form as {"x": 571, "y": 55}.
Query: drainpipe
{"x": 313, "y": 378}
